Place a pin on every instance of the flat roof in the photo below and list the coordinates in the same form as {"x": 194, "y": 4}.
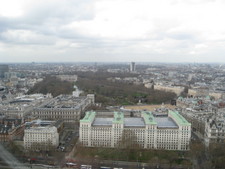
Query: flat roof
{"x": 179, "y": 118}
{"x": 165, "y": 122}
{"x": 128, "y": 122}
{"x": 102, "y": 122}
{"x": 172, "y": 121}
{"x": 134, "y": 122}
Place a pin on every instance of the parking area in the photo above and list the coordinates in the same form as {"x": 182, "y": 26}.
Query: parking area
{"x": 68, "y": 139}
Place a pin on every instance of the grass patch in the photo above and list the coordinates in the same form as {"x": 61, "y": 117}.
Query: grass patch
{"x": 132, "y": 155}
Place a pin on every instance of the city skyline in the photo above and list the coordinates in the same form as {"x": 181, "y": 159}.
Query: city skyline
{"x": 168, "y": 31}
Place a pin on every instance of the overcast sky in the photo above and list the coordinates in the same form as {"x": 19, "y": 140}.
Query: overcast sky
{"x": 112, "y": 30}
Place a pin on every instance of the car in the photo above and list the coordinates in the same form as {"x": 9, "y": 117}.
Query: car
{"x": 85, "y": 167}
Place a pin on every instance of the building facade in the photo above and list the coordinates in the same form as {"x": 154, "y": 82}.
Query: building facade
{"x": 65, "y": 107}
{"x": 169, "y": 131}
{"x": 41, "y": 137}
{"x": 175, "y": 89}
{"x": 215, "y": 129}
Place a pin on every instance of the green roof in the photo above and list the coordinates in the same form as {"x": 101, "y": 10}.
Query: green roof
{"x": 118, "y": 118}
{"x": 208, "y": 97}
{"x": 180, "y": 120}
{"x": 89, "y": 117}
{"x": 148, "y": 117}
{"x": 194, "y": 102}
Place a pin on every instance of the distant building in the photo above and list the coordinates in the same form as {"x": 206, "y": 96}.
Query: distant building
{"x": 165, "y": 131}
{"x": 70, "y": 78}
{"x": 217, "y": 95}
{"x": 9, "y": 75}
{"x": 197, "y": 92}
{"x": 132, "y": 67}
{"x": 190, "y": 77}
{"x": 3, "y": 70}
{"x": 175, "y": 89}
{"x": 41, "y": 135}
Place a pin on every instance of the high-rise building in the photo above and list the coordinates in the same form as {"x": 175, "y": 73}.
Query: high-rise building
{"x": 132, "y": 67}
{"x": 164, "y": 131}
{"x": 3, "y": 70}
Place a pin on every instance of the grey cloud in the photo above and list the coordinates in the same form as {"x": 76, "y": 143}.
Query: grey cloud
{"x": 60, "y": 12}
{"x": 48, "y": 18}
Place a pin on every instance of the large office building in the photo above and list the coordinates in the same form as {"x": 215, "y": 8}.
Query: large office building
{"x": 163, "y": 131}
{"x": 66, "y": 107}
{"x": 41, "y": 135}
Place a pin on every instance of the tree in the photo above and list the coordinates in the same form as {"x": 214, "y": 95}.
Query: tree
{"x": 129, "y": 140}
{"x": 52, "y": 85}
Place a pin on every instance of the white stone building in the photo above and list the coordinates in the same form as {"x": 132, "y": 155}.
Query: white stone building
{"x": 169, "y": 131}
{"x": 41, "y": 137}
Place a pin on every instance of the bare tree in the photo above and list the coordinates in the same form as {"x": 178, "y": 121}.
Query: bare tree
{"x": 129, "y": 140}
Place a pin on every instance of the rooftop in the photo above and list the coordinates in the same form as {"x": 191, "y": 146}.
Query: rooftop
{"x": 102, "y": 122}
{"x": 134, "y": 122}
{"x": 148, "y": 118}
{"x": 165, "y": 122}
{"x": 64, "y": 102}
{"x": 179, "y": 118}
{"x": 40, "y": 123}
{"x": 148, "y": 107}
{"x": 89, "y": 117}
{"x": 41, "y": 128}
{"x": 128, "y": 122}
{"x": 174, "y": 120}
{"x": 118, "y": 117}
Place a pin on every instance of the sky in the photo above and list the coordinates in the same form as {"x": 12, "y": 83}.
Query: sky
{"x": 112, "y": 31}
